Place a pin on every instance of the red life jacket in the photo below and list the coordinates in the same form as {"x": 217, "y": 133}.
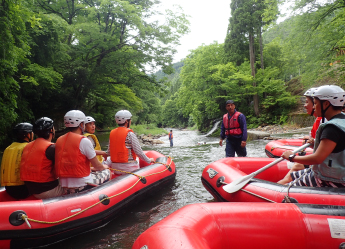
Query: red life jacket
{"x": 35, "y": 166}
{"x": 118, "y": 151}
{"x": 232, "y": 126}
{"x": 69, "y": 161}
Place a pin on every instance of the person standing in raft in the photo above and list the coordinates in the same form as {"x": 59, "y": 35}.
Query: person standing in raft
{"x": 171, "y": 136}
{"x": 234, "y": 129}
{"x": 124, "y": 146}
{"x": 10, "y": 164}
{"x": 37, "y": 166}
{"x": 328, "y": 164}
{"x": 90, "y": 128}
{"x": 73, "y": 155}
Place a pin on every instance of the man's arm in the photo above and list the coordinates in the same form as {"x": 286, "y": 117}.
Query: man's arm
{"x": 222, "y": 134}
{"x": 243, "y": 127}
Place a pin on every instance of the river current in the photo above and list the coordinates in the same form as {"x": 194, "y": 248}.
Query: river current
{"x": 191, "y": 153}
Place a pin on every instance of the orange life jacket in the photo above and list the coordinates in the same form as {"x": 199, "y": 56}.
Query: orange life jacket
{"x": 171, "y": 136}
{"x": 118, "y": 151}
{"x": 69, "y": 161}
{"x": 232, "y": 126}
{"x": 35, "y": 166}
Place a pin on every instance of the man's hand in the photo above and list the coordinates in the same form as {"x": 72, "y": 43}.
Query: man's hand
{"x": 243, "y": 144}
{"x": 104, "y": 154}
{"x": 221, "y": 142}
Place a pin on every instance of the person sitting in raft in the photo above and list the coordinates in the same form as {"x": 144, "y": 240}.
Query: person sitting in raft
{"x": 37, "y": 166}
{"x": 124, "y": 146}
{"x": 328, "y": 165}
{"x": 10, "y": 164}
{"x": 309, "y": 106}
{"x": 73, "y": 155}
{"x": 90, "y": 128}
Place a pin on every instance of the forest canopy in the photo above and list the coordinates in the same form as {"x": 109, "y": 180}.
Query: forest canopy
{"x": 92, "y": 55}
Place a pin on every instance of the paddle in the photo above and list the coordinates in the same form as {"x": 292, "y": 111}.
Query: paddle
{"x": 240, "y": 182}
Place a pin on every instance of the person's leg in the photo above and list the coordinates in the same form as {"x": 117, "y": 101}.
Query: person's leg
{"x": 287, "y": 178}
{"x": 17, "y": 192}
{"x": 240, "y": 151}
{"x": 229, "y": 149}
{"x": 55, "y": 192}
{"x": 99, "y": 177}
{"x": 236, "y": 143}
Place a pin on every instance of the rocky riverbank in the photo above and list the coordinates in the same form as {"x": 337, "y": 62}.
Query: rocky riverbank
{"x": 273, "y": 132}
{"x": 150, "y": 139}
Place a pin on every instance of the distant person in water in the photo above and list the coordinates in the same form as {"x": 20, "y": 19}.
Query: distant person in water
{"x": 234, "y": 129}
{"x": 171, "y": 136}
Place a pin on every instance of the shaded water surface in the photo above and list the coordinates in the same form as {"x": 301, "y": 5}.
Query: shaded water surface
{"x": 190, "y": 159}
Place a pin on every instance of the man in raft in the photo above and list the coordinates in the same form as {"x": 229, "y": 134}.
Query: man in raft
{"x": 124, "y": 146}
{"x": 37, "y": 166}
{"x": 328, "y": 164}
{"x": 234, "y": 129}
{"x": 10, "y": 164}
{"x": 309, "y": 106}
{"x": 90, "y": 128}
{"x": 73, "y": 155}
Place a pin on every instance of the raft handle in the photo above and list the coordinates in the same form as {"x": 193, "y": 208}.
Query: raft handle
{"x": 104, "y": 199}
{"x": 16, "y": 218}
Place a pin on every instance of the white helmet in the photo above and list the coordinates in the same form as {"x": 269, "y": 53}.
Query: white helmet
{"x": 89, "y": 119}
{"x": 122, "y": 116}
{"x": 334, "y": 94}
{"x": 74, "y": 118}
{"x": 309, "y": 92}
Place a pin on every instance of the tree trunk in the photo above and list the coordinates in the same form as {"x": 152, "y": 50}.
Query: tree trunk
{"x": 261, "y": 49}
{"x": 252, "y": 66}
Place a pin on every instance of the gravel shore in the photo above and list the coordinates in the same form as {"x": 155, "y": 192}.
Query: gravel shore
{"x": 273, "y": 132}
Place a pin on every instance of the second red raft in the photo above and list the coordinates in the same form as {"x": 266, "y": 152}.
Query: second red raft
{"x": 276, "y": 148}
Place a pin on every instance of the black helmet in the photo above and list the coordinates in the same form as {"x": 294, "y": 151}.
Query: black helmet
{"x": 22, "y": 129}
{"x": 42, "y": 127}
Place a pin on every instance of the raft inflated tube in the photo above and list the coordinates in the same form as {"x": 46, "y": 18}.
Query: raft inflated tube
{"x": 262, "y": 188}
{"x": 35, "y": 223}
{"x": 276, "y": 148}
{"x": 248, "y": 225}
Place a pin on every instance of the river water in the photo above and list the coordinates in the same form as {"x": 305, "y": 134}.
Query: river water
{"x": 190, "y": 160}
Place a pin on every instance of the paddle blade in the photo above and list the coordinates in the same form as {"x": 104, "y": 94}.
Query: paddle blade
{"x": 237, "y": 184}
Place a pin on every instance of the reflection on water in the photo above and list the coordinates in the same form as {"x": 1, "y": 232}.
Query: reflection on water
{"x": 190, "y": 159}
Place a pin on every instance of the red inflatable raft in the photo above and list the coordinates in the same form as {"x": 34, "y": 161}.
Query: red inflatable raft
{"x": 33, "y": 223}
{"x": 276, "y": 148}
{"x": 263, "y": 188}
{"x": 248, "y": 225}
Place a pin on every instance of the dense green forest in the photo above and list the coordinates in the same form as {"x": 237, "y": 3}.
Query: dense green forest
{"x": 101, "y": 56}
{"x": 263, "y": 66}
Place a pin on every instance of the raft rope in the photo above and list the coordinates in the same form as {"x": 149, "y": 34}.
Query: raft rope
{"x": 27, "y": 219}
{"x": 248, "y": 192}
{"x": 287, "y": 197}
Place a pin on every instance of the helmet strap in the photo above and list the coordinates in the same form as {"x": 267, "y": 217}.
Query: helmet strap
{"x": 82, "y": 128}
{"x": 323, "y": 111}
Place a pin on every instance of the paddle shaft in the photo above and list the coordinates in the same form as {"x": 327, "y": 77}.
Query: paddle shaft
{"x": 240, "y": 182}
